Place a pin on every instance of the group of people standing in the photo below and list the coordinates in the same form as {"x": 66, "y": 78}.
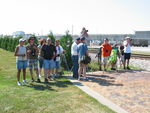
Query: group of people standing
{"x": 46, "y": 55}
{"x": 110, "y": 54}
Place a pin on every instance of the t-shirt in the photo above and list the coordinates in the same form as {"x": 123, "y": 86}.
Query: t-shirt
{"x": 34, "y": 51}
{"x": 59, "y": 50}
{"x": 74, "y": 48}
{"x": 122, "y": 50}
{"x": 48, "y": 51}
{"x": 106, "y": 50}
{"x": 127, "y": 49}
{"x": 21, "y": 50}
{"x": 82, "y": 49}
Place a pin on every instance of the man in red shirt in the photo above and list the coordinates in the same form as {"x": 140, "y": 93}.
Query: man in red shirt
{"x": 106, "y": 50}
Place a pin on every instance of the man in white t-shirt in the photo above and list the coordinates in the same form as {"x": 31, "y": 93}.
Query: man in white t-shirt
{"x": 127, "y": 52}
{"x": 74, "y": 56}
{"x": 59, "y": 51}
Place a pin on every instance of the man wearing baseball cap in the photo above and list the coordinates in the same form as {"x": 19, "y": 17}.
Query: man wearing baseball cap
{"x": 74, "y": 56}
{"x": 127, "y": 52}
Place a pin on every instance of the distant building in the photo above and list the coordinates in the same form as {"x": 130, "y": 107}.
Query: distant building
{"x": 18, "y": 33}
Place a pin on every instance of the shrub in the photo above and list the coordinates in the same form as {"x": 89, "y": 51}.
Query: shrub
{"x": 66, "y": 42}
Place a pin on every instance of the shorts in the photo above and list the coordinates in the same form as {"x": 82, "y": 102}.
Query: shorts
{"x": 21, "y": 64}
{"x": 49, "y": 64}
{"x": 122, "y": 58}
{"x": 104, "y": 59}
{"x": 127, "y": 55}
{"x": 33, "y": 63}
{"x": 57, "y": 64}
{"x": 41, "y": 62}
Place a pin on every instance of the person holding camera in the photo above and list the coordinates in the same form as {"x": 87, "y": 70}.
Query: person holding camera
{"x": 106, "y": 50}
{"x": 40, "y": 55}
{"x": 83, "y": 53}
{"x": 32, "y": 53}
{"x": 127, "y": 52}
{"x": 84, "y": 33}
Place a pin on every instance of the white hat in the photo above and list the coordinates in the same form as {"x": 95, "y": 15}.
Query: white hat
{"x": 127, "y": 37}
{"x": 21, "y": 40}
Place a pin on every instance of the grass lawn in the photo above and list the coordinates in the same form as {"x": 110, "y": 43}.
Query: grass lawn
{"x": 59, "y": 96}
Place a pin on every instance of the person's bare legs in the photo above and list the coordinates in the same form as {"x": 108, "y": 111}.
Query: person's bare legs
{"x": 18, "y": 74}
{"x": 124, "y": 64}
{"x": 24, "y": 74}
{"x": 127, "y": 62}
{"x": 84, "y": 71}
{"x": 37, "y": 72}
{"x": 31, "y": 73}
{"x": 79, "y": 72}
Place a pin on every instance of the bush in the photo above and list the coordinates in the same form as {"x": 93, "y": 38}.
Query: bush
{"x": 66, "y": 42}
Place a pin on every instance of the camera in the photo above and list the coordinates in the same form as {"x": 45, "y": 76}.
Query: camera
{"x": 33, "y": 52}
{"x": 86, "y": 30}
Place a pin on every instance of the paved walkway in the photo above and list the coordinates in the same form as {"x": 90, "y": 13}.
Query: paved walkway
{"x": 128, "y": 89}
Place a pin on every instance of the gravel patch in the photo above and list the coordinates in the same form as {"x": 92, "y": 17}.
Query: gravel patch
{"x": 144, "y": 64}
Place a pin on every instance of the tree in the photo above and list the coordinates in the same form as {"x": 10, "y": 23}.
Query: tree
{"x": 51, "y": 36}
{"x": 66, "y": 42}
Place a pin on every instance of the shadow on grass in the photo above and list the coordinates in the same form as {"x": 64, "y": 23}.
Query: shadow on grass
{"x": 48, "y": 86}
{"x": 103, "y": 80}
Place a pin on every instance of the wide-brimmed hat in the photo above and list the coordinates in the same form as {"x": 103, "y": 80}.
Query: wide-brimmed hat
{"x": 31, "y": 38}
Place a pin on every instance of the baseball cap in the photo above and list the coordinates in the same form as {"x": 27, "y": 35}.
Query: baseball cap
{"x": 21, "y": 40}
{"x": 83, "y": 38}
{"x": 106, "y": 39}
{"x": 127, "y": 37}
{"x": 78, "y": 38}
{"x": 48, "y": 39}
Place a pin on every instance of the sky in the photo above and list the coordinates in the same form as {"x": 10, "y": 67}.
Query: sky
{"x": 58, "y": 16}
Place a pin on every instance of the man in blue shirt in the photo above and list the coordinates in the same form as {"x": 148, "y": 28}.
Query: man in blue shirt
{"x": 82, "y": 52}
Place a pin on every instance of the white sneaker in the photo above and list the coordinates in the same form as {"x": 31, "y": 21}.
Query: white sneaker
{"x": 79, "y": 78}
{"x": 24, "y": 81}
{"x": 19, "y": 83}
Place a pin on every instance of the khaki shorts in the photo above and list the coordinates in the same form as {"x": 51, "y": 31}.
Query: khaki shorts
{"x": 81, "y": 64}
{"x": 105, "y": 60}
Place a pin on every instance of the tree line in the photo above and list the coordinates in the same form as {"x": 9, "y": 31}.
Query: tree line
{"x": 9, "y": 43}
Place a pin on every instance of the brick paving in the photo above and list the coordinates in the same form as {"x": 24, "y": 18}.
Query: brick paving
{"x": 128, "y": 89}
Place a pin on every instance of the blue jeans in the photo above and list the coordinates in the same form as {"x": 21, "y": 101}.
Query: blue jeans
{"x": 75, "y": 66}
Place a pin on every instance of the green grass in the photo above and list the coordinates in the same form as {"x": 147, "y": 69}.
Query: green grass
{"x": 59, "y": 96}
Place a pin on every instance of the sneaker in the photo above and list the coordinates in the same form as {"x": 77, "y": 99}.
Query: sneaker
{"x": 32, "y": 79}
{"x": 24, "y": 81}
{"x": 128, "y": 68}
{"x": 38, "y": 80}
{"x": 19, "y": 83}
{"x": 46, "y": 80}
{"x": 50, "y": 78}
{"x": 79, "y": 78}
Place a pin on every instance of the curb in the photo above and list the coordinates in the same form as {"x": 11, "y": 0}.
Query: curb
{"x": 97, "y": 96}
